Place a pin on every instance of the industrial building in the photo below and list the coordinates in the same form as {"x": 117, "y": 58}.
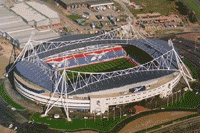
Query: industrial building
{"x": 36, "y": 14}
{"x": 13, "y": 28}
{"x": 94, "y": 4}
{"x": 46, "y": 11}
{"x": 71, "y": 4}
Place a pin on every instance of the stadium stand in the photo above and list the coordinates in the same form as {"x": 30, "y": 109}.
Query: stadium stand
{"x": 75, "y": 60}
{"x": 116, "y": 82}
{"x": 34, "y": 74}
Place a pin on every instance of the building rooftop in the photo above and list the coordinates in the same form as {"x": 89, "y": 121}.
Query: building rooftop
{"x": 149, "y": 14}
{"x": 27, "y": 12}
{"x": 70, "y": 2}
{"x": 98, "y": 3}
{"x": 43, "y": 9}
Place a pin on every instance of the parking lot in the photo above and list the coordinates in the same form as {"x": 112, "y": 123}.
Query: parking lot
{"x": 91, "y": 16}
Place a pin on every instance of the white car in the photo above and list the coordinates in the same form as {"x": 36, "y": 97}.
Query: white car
{"x": 13, "y": 109}
{"x": 98, "y": 113}
{"x": 124, "y": 114}
{"x": 56, "y": 116}
{"x": 85, "y": 117}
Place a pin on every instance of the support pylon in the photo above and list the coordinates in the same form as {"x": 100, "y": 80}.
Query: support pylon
{"x": 182, "y": 68}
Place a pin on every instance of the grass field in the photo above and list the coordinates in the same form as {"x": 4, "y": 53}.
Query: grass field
{"x": 192, "y": 5}
{"x": 74, "y": 17}
{"x": 108, "y": 66}
{"x": 189, "y": 100}
{"x": 77, "y": 124}
{"x": 7, "y": 98}
{"x": 193, "y": 70}
{"x": 164, "y": 7}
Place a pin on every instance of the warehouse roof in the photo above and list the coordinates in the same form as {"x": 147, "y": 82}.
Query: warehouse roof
{"x": 2, "y": 2}
{"x": 70, "y": 2}
{"x": 27, "y": 12}
{"x": 100, "y": 3}
{"x": 43, "y": 9}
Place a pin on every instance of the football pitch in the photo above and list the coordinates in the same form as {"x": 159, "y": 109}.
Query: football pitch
{"x": 107, "y": 66}
{"x": 112, "y": 65}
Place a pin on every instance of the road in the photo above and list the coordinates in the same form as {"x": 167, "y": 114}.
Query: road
{"x": 186, "y": 49}
{"x": 178, "y": 126}
{"x": 126, "y": 10}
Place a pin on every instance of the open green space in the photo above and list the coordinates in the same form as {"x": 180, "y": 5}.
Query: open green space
{"x": 193, "y": 70}
{"x": 74, "y": 17}
{"x": 164, "y": 7}
{"x": 192, "y": 5}
{"x": 189, "y": 100}
{"x": 112, "y": 65}
{"x": 8, "y": 99}
{"x": 77, "y": 124}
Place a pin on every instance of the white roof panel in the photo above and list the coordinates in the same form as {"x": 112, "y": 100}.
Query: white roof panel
{"x": 15, "y": 28}
{"x": 4, "y": 14}
{"x": 43, "y": 9}
{"x": 47, "y": 35}
{"x": 22, "y": 33}
{"x": 10, "y": 20}
{"x": 27, "y": 12}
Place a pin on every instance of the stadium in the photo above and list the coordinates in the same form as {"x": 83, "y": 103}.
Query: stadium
{"x": 82, "y": 72}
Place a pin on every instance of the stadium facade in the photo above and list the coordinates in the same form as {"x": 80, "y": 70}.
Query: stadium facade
{"x": 37, "y": 69}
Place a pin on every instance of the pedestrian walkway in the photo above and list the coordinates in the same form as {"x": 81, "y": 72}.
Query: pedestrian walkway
{"x": 26, "y": 103}
{"x": 17, "y": 98}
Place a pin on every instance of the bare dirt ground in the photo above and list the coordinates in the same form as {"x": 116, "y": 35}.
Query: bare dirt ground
{"x": 6, "y": 130}
{"x": 152, "y": 120}
{"x": 5, "y": 52}
{"x": 87, "y": 131}
{"x": 190, "y": 36}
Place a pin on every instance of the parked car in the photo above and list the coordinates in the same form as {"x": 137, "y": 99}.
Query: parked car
{"x": 124, "y": 114}
{"x": 85, "y": 117}
{"x": 76, "y": 117}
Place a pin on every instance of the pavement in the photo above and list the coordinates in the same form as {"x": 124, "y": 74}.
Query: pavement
{"x": 7, "y": 116}
{"x": 177, "y": 125}
{"x": 126, "y": 10}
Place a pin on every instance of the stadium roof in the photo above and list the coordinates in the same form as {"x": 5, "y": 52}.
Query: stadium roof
{"x": 35, "y": 74}
{"x": 121, "y": 81}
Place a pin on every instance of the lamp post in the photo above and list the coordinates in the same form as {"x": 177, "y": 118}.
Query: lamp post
{"x": 108, "y": 113}
{"x": 179, "y": 95}
{"x": 167, "y": 101}
{"x": 120, "y": 112}
{"x": 114, "y": 113}
{"x": 94, "y": 115}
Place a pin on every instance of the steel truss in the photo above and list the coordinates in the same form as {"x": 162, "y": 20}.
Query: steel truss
{"x": 82, "y": 79}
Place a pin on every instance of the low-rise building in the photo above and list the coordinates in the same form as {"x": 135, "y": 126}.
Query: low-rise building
{"x": 36, "y": 14}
